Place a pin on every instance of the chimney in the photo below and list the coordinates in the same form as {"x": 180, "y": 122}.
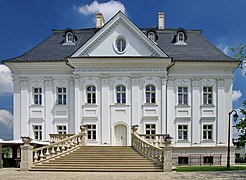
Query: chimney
{"x": 161, "y": 20}
{"x": 99, "y": 20}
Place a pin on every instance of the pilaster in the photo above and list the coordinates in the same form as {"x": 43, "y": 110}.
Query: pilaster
{"x": 77, "y": 105}
{"x": 163, "y": 105}
{"x": 24, "y": 108}
{"x": 17, "y": 108}
{"x": 135, "y": 104}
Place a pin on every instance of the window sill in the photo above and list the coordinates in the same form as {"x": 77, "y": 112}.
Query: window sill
{"x": 36, "y": 106}
{"x": 183, "y": 105}
{"x": 89, "y": 105}
{"x": 182, "y": 141}
{"x": 208, "y": 141}
{"x": 150, "y": 104}
{"x": 207, "y": 105}
{"x": 120, "y": 105}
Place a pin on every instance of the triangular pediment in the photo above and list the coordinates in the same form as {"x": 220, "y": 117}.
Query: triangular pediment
{"x": 104, "y": 42}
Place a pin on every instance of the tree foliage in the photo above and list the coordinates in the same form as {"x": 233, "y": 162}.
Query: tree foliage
{"x": 240, "y": 54}
{"x": 241, "y": 126}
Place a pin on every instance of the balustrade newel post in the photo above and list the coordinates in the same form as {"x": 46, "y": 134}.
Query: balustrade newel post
{"x": 167, "y": 153}
{"x": 26, "y": 154}
{"x": 83, "y": 129}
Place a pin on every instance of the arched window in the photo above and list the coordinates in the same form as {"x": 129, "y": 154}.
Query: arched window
{"x": 151, "y": 35}
{"x": 121, "y": 45}
{"x": 91, "y": 94}
{"x": 69, "y": 37}
{"x": 121, "y": 94}
{"x": 181, "y": 37}
{"x": 150, "y": 93}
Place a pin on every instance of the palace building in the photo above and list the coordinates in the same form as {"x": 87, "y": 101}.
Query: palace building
{"x": 113, "y": 76}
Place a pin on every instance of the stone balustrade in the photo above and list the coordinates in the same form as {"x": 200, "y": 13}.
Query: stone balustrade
{"x": 156, "y": 147}
{"x": 59, "y": 137}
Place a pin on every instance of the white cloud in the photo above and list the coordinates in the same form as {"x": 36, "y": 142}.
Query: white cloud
{"x": 6, "y": 83}
{"x": 236, "y": 95}
{"x": 224, "y": 48}
{"x": 6, "y": 118}
{"x": 108, "y": 9}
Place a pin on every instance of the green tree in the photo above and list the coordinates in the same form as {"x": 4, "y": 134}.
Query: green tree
{"x": 241, "y": 126}
{"x": 240, "y": 54}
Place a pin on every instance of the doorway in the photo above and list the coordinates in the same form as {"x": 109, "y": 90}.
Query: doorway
{"x": 120, "y": 135}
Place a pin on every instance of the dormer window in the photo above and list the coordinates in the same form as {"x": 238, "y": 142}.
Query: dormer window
{"x": 151, "y": 35}
{"x": 69, "y": 37}
{"x": 120, "y": 44}
{"x": 180, "y": 37}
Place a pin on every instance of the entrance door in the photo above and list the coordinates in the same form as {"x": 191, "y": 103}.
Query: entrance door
{"x": 120, "y": 135}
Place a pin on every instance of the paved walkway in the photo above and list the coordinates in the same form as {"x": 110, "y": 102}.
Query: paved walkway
{"x": 13, "y": 173}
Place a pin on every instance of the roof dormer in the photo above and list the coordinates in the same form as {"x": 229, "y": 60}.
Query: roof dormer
{"x": 69, "y": 37}
{"x": 180, "y": 37}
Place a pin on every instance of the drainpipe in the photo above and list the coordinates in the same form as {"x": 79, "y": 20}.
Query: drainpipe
{"x": 171, "y": 65}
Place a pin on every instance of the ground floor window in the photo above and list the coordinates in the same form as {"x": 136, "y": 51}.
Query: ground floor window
{"x": 208, "y": 159}
{"x": 182, "y": 132}
{"x": 183, "y": 160}
{"x": 61, "y": 129}
{"x": 207, "y": 132}
{"x": 37, "y": 131}
{"x": 91, "y": 130}
{"x": 150, "y": 129}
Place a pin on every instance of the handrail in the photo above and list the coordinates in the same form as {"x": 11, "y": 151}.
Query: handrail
{"x": 57, "y": 149}
{"x": 147, "y": 149}
{"x": 155, "y": 139}
{"x": 59, "y": 137}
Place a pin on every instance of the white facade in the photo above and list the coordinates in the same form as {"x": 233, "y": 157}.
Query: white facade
{"x": 177, "y": 109}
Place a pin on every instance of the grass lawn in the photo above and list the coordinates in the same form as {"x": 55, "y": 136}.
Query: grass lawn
{"x": 208, "y": 168}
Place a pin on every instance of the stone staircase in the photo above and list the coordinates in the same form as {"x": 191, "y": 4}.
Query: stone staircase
{"x": 100, "y": 159}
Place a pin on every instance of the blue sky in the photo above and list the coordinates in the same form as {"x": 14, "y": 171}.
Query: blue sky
{"x": 26, "y": 23}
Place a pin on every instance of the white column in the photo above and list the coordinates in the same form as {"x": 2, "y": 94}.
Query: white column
{"x": 77, "y": 105}
{"x": 135, "y": 104}
{"x": 71, "y": 108}
{"x": 17, "y": 110}
{"x": 195, "y": 116}
{"x": 24, "y": 120}
{"x": 222, "y": 120}
{"x": 105, "y": 99}
{"x": 163, "y": 105}
{"x": 171, "y": 109}
{"x": 48, "y": 105}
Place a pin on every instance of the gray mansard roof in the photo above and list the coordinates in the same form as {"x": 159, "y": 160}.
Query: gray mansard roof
{"x": 197, "y": 48}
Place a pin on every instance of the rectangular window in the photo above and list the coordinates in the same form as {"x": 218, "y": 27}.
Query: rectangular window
{"x": 37, "y": 131}
{"x": 207, "y": 95}
{"x": 183, "y": 95}
{"x": 208, "y": 159}
{"x": 37, "y": 96}
{"x": 61, "y": 96}
{"x": 207, "y": 132}
{"x": 91, "y": 130}
{"x": 150, "y": 129}
{"x": 61, "y": 129}
{"x": 182, "y": 132}
{"x": 183, "y": 160}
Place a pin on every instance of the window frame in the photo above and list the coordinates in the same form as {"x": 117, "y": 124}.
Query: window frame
{"x": 183, "y": 95}
{"x": 62, "y": 130}
{"x": 91, "y": 132}
{"x": 91, "y": 94}
{"x": 61, "y": 96}
{"x": 207, "y": 133}
{"x": 38, "y": 100}
{"x": 151, "y": 36}
{"x": 151, "y": 129}
{"x": 181, "y": 37}
{"x": 206, "y": 93}
{"x": 121, "y": 93}
{"x": 150, "y": 95}
{"x": 182, "y": 131}
{"x": 37, "y": 132}
{"x": 69, "y": 37}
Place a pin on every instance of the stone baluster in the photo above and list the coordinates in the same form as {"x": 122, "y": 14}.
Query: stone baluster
{"x": 26, "y": 154}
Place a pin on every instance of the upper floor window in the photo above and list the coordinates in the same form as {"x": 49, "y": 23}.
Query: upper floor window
{"x": 207, "y": 95}
{"x": 61, "y": 96}
{"x": 150, "y": 93}
{"x": 182, "y": 95}
{"x": 151, "y": 35}
{"x": 91, "y": 94}
{"x": 121, "y": 94}
{"x": 121, "y": 45}
{"x": 37, "y": 131}
{"x": 37, "y": 96}
{"x": 69, "y": 37}
{"x": 181, "y": 37}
